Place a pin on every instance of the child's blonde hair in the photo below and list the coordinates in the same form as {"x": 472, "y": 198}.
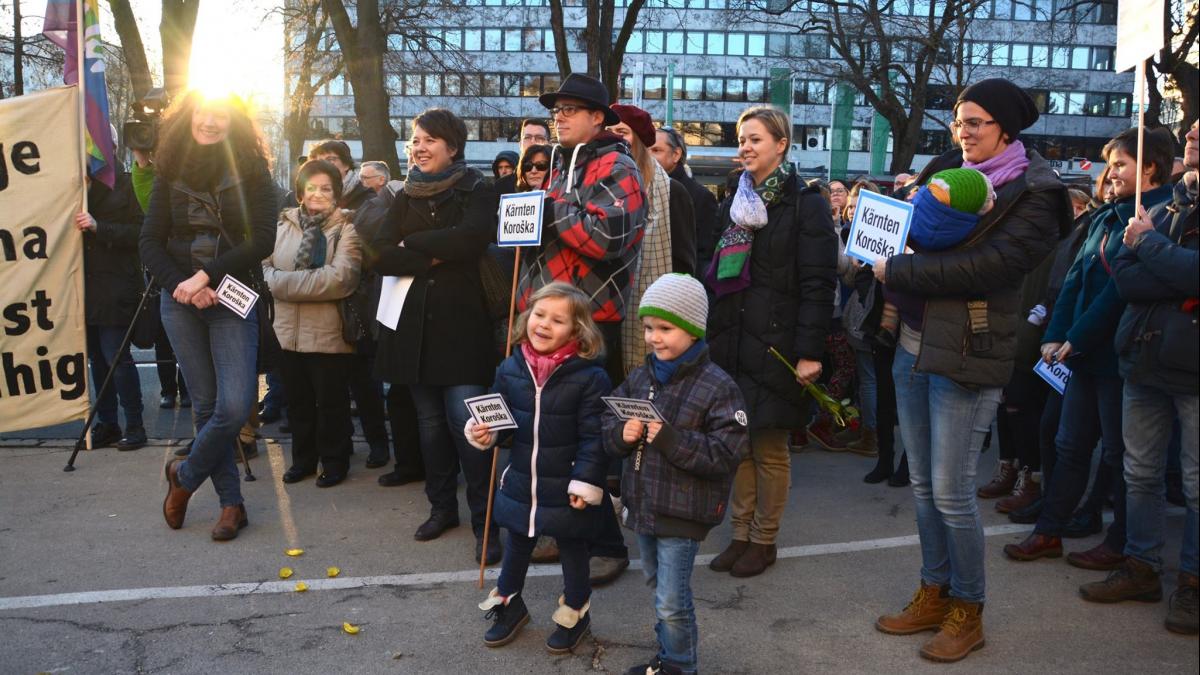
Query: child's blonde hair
{"x": 591, "y": 342}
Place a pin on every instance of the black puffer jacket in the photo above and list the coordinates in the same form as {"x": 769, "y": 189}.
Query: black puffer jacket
{"x": 444, "y": 334}
{"x": 788, "y": 305}
{"x": 557, "y": 442}
{"x": 112, "y": 271}
{"x": 1031, "y": 214}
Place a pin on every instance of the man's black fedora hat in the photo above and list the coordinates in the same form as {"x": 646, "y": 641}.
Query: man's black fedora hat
{"x": 586, "y": 89}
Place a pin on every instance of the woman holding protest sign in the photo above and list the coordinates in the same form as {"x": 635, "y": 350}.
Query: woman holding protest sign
{"x": 211, "y": 218}
{"x": 315, "y": 264}
{"x": 441, "y": 345}
{"x": 1080, "y": 335}
{"x": 774, "y": 277}
{"x": 958, "y": 309}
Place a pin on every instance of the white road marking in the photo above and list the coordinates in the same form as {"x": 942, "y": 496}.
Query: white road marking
{"x": 275, "y": 456}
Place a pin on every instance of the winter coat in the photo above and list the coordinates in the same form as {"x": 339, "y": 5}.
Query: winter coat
{"x": 678, "y": 485}
{"x": 246, "y": 206}
{"x": 1089, "y": 307}
{"x": 788, "y": 306}
{"x": 443, "y": 337}
{"x": 1158, "y": 339}
{"x": 306, "y": 301}
{"x": 354, "y": 193}
{"x": 683, "y": 230}
{"x": 984, "y": 273}
{"x": 704, "y": 205}
{"x": 113, "y": 282}
{"x": 592, "y": 229}
{"x": 556, "y": 448}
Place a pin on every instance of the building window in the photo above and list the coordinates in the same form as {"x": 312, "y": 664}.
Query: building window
{"x": 472, "y": 40}
{"x": 714, "y": 89}
{"x": 674, "y": 42}
{"x": 716, "y": 44}
{"x": 756, "y": 91}
{"x": 756, "y": 44}
{"x": 1095, "y": 105}
{"x": 653, "y": 88}
{"x": 492, "y": 40}
{"x": 736, "y": 44}
{"x": 452, "y": 84}
{"x": 735, "y": 89}
{"x": 1020, "y": 55}
{"x": 1118, "y": 105}
{"x": 654, "y": 42}
{"x": 695, "y": 42}
{"x": 693, "y": 88}
{"x": 635, "y": 44}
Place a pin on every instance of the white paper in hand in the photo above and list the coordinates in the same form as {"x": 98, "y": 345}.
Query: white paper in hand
{"x": 235, "y": 295}
{"x": 1056, "y": 374}
{"x": 492, "y": 411}
{"x": 633, "y": 409}
{"x": 880, "y": 227}
{"x": 392, "y": 293}
{"x": 521, "y": 219}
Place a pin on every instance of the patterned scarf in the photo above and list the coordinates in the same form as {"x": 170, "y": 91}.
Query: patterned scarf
{"x": 729, "y": 272}
{"x": 544, "y": 365}
{"x": 654, "y": 261}
{"x": 311, "y": 253}
{"x": 425, "y": 185}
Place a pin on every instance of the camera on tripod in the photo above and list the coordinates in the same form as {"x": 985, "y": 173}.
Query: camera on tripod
{"x": 141, "y": 132}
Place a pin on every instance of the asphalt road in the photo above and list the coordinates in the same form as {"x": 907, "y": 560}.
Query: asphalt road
{"x": 92, "y": 581}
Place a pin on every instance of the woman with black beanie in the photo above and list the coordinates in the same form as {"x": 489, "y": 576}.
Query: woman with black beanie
{"x": 959, "y": 310}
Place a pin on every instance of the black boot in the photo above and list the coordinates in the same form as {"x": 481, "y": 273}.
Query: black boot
{"x": 570, "y": 627}
{"x": 1083, "y": 524}
{"x": 379, "y": 455}
{"x": 882, "y": 470}
{"x": 654, "y": 667}
{"x": 134, "y": 438}
{"x": 1027, "y": 515}
{"x": 509, "y": 618}
{"x": 900, "y": 477}
{"x": 104, "y": 435}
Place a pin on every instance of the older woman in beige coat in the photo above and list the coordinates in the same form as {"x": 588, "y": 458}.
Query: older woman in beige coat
{"x": 315, "y": 264}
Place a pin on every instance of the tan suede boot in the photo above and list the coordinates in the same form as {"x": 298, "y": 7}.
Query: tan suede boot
{"x": 755, "y": 561}
{"x": 925, "y": 611}
{"x": 866, "y": 445}
{"x": 233, "y": 518}
{"x": 729, "y": 557}
{"x": 961, "y": 633}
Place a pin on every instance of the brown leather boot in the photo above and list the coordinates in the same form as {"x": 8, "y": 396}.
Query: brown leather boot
{"x": 176, "y": 501}
{"x": 824, "y": 433}
{"x": 1035, "y": 546}
{"x": 233, "y": 518}
{"x": 925, "y": 611}
{"x": 1026, "y": 491}
{"x": 961, "y": 633}
{"x": 755, "y": 561}
{"x": 1134, "y": 580}
{"x": 867, "y": 444}
{"x": 1100, "y": 558}
{"x": 1003, "y": 481}
{"x": 727, "y": 558}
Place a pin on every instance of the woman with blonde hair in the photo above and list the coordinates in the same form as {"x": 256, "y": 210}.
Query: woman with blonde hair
{"x": 774, "y": 276}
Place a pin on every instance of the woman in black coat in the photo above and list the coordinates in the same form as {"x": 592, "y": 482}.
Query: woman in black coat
{"x": 436, "y": 230}
{"x": 211, "y": 215}
{"x": 774, "y": 277}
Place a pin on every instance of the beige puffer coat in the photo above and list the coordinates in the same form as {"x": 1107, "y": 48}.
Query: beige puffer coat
{"x": 306, "y": 312}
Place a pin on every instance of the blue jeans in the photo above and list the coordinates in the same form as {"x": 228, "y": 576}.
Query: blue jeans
{"x": 1149, "y": 413}
{"x": 441, "y": 416}
{"x": 1091, "y": 413}
{"x": 943, "y": 424}
{"x": 572, "y": 555}
{"x": 276, "y": 396}
{"x": 667, "y": 563}
{"x": 867, "y": 387}
{"x": 217, "y": 350}
{"x": 103, "y": 342}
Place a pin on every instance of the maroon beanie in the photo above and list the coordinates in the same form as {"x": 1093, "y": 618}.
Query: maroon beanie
{"x": 638, "y": 120}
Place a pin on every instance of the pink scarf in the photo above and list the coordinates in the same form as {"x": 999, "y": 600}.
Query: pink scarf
{"x": 544, "y": 365}
{"x": 1004, "y": 167}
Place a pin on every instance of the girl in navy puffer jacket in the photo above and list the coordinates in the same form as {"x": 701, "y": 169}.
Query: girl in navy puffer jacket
{"x": 553, "y": 484}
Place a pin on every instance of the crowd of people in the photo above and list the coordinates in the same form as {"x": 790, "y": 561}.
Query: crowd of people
{"x": 644, "y": 286}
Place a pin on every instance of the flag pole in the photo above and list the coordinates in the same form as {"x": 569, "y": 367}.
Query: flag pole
{"x": 1141, "y": 84}
{"x": 81, "y": 91}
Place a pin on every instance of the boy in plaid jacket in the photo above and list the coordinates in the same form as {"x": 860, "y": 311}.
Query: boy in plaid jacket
{"x": 676, "y": 484}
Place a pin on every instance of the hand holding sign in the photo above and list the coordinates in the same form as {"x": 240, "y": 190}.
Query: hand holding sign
{"x": 521, "y": 218}
{"x": 491, "y": 411}
{"x": 880, "y": 227}
{"x": 632, "y": 409}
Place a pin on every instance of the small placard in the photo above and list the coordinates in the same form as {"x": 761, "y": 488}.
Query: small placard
{"x": 235, "y": 295}
{"x": 1055, "y": 374}
{"x": 633, "y": 409}
{"x": 521, "y": 219}
{"x": 880, "y": 227}
{"x": 492, "y": 411}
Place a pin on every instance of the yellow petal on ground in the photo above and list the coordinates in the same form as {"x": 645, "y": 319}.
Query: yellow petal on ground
{"x": 332, "y": 572}
{"x": 349, "y": 628}
{"x": 294, "y": 552}
{"x": 301, "y": 587}
{"x": 285, "y": 572}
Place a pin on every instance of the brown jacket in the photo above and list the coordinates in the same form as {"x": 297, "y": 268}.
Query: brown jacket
{"x": 306, "y": 312}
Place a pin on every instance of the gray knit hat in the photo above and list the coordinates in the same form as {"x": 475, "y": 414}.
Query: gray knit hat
{"x": 679, "y": 299}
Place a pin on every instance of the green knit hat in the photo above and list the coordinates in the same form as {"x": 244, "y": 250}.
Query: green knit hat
{"x": 679, "y": 299}
{"x": 965, "y": 190}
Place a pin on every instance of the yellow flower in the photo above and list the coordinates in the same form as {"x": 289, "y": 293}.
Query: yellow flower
{"x": 294, "y": 552}
{"x": 332, "y": 572}
{"x": 349, "y": 628}
{"x": 301, "y": 587}
{"x": 285, "y": 572}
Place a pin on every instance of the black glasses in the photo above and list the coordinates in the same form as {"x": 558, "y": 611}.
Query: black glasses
{"x": 972, "y": 125}
{"x": 536, "y": 166}
{"x": 567, "y": 110}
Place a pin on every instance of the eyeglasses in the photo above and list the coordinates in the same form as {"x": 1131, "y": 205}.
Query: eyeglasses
{"x": 838, "y": 191}
{"x": 536, "y": 166}
{"x": 566, "y": 110}
{"x": 538, "y": 138}
{"x": 972, "y": 125}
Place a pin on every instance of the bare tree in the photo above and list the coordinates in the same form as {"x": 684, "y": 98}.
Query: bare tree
{"x": 18, "y": 52}
{"x": 175, "y": 28}
{"x": 605, "y": 53}
{"x": 305, "y": 27}
{"x": 1177, "y": 62}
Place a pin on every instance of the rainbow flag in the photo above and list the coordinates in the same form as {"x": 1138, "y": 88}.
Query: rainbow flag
{"x": 60, "y": 28}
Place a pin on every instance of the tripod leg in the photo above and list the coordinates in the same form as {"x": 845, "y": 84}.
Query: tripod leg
{"x": 237, "y": 442}
{"x": 80, "y": 443}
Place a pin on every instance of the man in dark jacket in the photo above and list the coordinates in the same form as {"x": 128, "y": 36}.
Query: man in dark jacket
{"x": 1158, "y": 274}
{"x": 112, "y": 286}
{"x": 671, "y": 153}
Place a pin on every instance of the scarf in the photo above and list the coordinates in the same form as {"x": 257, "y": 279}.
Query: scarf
{"x": 310, "y": 255}
{"x": 544, "y": 365}
{"x": 729, "y": 272}
{"x": 665, "y": 370}
{"x": 1004, "y": 167}
{"x": 425, "y": 185}
{"x": 653, "y": 262}
{"x": 205, "y": 166}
